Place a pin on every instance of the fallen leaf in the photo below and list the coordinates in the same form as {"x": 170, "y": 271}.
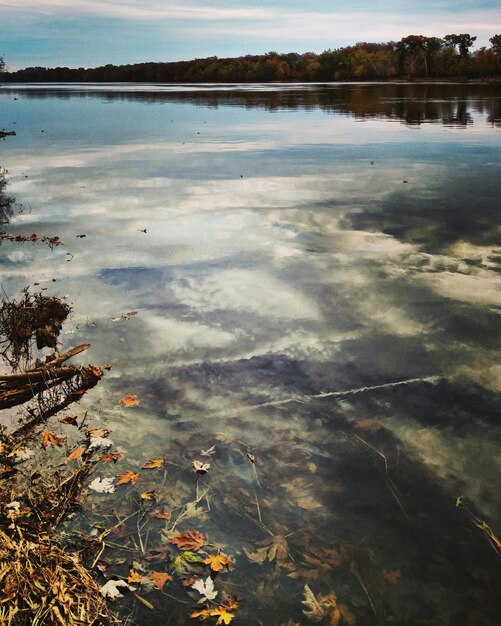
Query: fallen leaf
{"x": 232, "y": 603}
{"x": 110, "y": 589}
{"x": 200, "y": 468}
{"x": 313, "y": 610}
{"x": 190, "y": 540}
{"x": 224, "y": 616}
{"x": 109, "y": 457}
{"x": 102, "y": 485}
{"x": 259, "y": 556}
{"x": 148, "y": 495}
{"x": 128, "y": 477}
{"x": 205, "y": 588}
{"x": 157, "y": 555}
{"x": 161, "y": 515}
{"x": 75, "y": 454}
{"x": 203, "y": 614}
{"x": 209, "y": 452}
{"x": 159, "y": 579}
{"x": 129, "y": 401}
{"x": 392, "y": 576}
{"x": 96, "y": 433}
{"x": 99, "y": 442}
{"x": 274, "y": 548}
{"x": 154, "y": 463}
{"x": 96, "y": 371}
{"x": 69, "y": 419}
{"x": 217, "y": 562}
{"x": 107, "y": 367}
{"x": 183, "y": 562}
{"x": 134, "y": 577}
{"x": 50, "y": 438}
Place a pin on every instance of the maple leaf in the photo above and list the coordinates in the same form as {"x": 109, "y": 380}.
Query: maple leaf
{"x": 50, "y": 438}
{"x": 148, "y": 495}
{"x": 313, "y": 610}
{"x": 129, "y": 401}
{"x": 191, "y": 540}
{"x": 154, "y": 463}
{"x": 159, "y": 579}
{"x": 161, "y": 515}
{"x": 203, "y": 614}
{"x": 224, "y": 617}
{"x": 134, "y": 577}
{"x": 200, "y": 468}
{"x": 102, "y": 485}
{"x": 69, "y": 419}
{"x": 217, "y": 562}
{"x": 99, "y": 442}
{"x": 232, "y": 603}
{"x": 128, "y": 477}
{"x": 75, "y": 454}
{"x": 205, "y": 588}
{"x": 108, "y": 457}
{"x": 110, "y": 589}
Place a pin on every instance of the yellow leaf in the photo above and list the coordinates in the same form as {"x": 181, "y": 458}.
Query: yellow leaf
{"x": 75, "y": 454}
{"x": 217, "y": 562}
{"x": 154, "y": 463}
{"x": 50, "y": 438}
{"x": 128, "y": 477}
{"x": 134, "y": 577}
{"x": 223, "y": 615}
{"x": 203, "y": 614}
{"x": 159, "y": 579}
{"x": 129, "y": 401}
{"x": 148, "y": 495}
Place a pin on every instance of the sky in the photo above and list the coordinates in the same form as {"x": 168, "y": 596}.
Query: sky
{"x": 88, "y": 33}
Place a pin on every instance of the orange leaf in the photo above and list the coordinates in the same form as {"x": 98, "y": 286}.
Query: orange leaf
{"x": 107, "y": 367}
{"x": 232, "y": 603}
{"x": 217, "y": 562}
{"x": 50, "y": 438}
{"x": 154, "y": 463}
{"x": 129, "y": 401}
{"x": 75, "y": 454}
{"x": 159, "y": 579}
{"x": 108, "y": 457}
{"x": 148, "y": 495}
{"x": 96, "y": 433}
{"x": 161, "y": 515}
{"x": 191, "y": 540}
{"x": 96, "y": 371}
{"x": 134, "y": 577}
{"x": 203, "y": 614}
{"x": 128, "y": 477}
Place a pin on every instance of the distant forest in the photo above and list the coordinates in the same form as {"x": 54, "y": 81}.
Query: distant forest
{"x": 415, "y": 57}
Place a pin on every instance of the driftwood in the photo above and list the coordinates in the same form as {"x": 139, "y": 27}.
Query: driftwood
{"x": 16, "y": 389}
{"x": 7, "y": 133}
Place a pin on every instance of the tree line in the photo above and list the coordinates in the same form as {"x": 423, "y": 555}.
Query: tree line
{"x": 415, "y": 57}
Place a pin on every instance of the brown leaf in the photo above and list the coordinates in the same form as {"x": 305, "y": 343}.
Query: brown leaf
{"x": 217, "y": 562}
{"x": 129, "y": 401}
{"x": 107, "y": 367}
{"x": 108, "y": 457}
{"x": 161, "y": 514}
{"x": 154, "y": 463}
{"x": 134, "y": 577}
{"x": 159, "y": 579}
{"x": 50, "y": 438}
{"x": 191, "y": 540}
{"x": 128, "y": 477}
{"x": 392, "y": 576}
{"x": 96, "y": 433}
{"x": 96, "y": 371}
{"x": 69, "y": 419}
{"x": 157, "y": 555}
{"x": 259, "y": 556}
{"x": 75, "y": 454}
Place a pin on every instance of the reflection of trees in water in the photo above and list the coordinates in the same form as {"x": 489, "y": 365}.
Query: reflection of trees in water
{"x": 6, "y": 201}
{"x": 450, "y": 104}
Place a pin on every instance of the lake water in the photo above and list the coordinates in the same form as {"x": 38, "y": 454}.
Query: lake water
{"x": 315, "y": 271}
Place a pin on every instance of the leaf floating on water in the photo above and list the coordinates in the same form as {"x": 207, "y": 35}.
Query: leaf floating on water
{"x": 190, "y": 540}
{"x": 209, "y": 452}
{"x": 128, "y": 401}
{"x": 134, "y": 577}
{"x": 109, "y": 457}
{"x": 154, "y": 463}
{"x": 107, "y": 367}
{"x": 200, "y": 468}
{"x": 75, "y": 454}
{"x": 161, "y": 514}
{"x": 110, "y": 589}
{"x": 99, "y": 442}
{"x": 69, "y": 419}
{"x": 96, "y": 371}
{"x": 217, "y": 562}
{"x": 148, "y": 495}
{"x": 159, "y": 579}
{"x": 128, "y": 477}
{"x": 102, "y": 485}
{"x": 50, "y": 438}
{"x": 96, "y": 433}
{"x": 183, "y": 562}
{"x": 206, "y": 589}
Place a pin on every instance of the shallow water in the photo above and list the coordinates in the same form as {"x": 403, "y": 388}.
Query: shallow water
{"x": 306, "y": 248}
